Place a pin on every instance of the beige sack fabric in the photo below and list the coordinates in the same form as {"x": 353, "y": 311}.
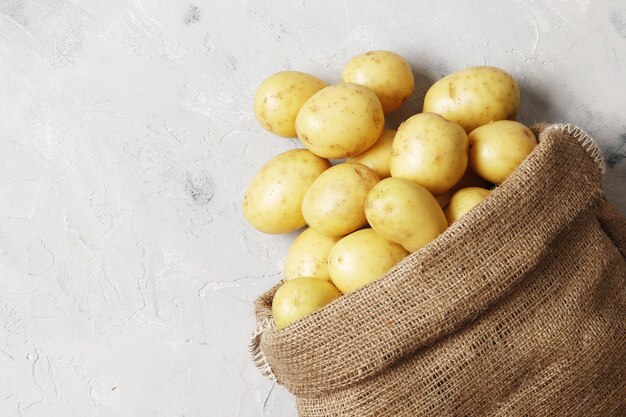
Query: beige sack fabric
{"x": 518, "y": 309}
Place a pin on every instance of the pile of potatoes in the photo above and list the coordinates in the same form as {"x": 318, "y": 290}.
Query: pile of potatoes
{"x": 387, "y": 193}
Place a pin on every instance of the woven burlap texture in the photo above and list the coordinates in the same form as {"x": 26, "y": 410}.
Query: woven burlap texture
{"x": 518, "y": 309}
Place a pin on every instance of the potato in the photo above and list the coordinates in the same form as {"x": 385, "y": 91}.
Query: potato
{"x": 300, "y": 297}
{"x": 404, "y": 212}
{"x": 340, "y": 121}
{"x": 273, "y": 201}
{"x": 377, "y": 157}
{"x": 474, "y": 96}
{"x": 431, "y": 151}
{"x": 280, "y": 97}
{"x": 334, "y": 204}
{"x": 308, "y": 256}
{"x": 387, "y": 74}
{"x": 463, "y": 201}
{"x": 360, "y": 258}
{"x": 469, "y": 179}
{"x": 498, "y": 148}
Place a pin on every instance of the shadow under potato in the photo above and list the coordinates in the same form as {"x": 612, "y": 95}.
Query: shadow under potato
{"x": 536, "y": 107}
{"x": 414, "y": 104}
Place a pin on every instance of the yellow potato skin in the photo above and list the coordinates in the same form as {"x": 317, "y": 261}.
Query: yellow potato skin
{"x": 474, "y": 97}
{"x": 300, "y": 297}
{"x": 498, "y": 148}
{"x": 377, "y": 157}
{"x": 280, "y": 97}
{"x": 340, "y": 121}
{"x": 273, "y": 200}
{"x": 360, "y": 258}
{"x": 334, "y": 204}
{"x": 431, "y": 151}
{"x": 386, "y": 73}
{"x": 308, "y": 256}
{"x": 404, "y": 212}
{"x": 463, "y": 201}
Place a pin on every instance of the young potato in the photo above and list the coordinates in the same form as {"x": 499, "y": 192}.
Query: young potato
{"x": 273, "y": 201}
{"x": 469, "y": 179}
{"x": 431, "y": 151}
{"x": 387, "y": 74}
{"x": 377, "y": 157}
{"x": 308, "y": 256}
{"x": 360, "y": 258}
{"x": 404, "y": 212}
{"x": 463, "y": 201}
{"x": 280, "y": 97}
{"x": 334, "y": 204}
{"x": 498, "y": 148}
{"x": 300, "y": 297}
{"x": 474, "y": 96}
{"x": 340, "y": 121}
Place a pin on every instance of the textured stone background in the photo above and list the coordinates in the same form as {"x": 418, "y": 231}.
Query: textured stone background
{"x": 127, "y": 139}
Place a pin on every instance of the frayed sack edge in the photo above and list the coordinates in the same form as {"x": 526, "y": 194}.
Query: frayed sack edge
{"x": 254, "y": 348}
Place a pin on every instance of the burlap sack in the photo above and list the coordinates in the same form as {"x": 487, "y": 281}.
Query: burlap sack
{"x": 518, "y": 309}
